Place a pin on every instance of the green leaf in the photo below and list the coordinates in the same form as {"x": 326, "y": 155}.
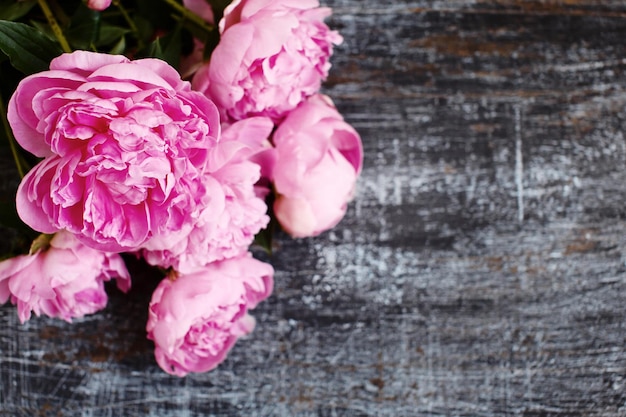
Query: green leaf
{"x": 153, "y": 50}
{"x": 15, "y": 9}
{"x": 44, "y": 28}
{"x": 84, "y": 28}
{"x": 119, "y": 47}
{"x": 29, "y": 50}
{"x": 263, "y": 240}
{"x": 167, "y": 48}
{"x": 41, "y": 243}
{"x": 172, "y": 51}
{"x": 110, "y": 34}
{"x": 145, "y": 28}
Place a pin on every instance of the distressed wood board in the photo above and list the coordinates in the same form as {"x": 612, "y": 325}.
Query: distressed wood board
{"x": 480, "y": 270}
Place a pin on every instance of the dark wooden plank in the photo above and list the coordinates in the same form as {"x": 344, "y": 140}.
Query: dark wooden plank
{"x": 480, "y": 270}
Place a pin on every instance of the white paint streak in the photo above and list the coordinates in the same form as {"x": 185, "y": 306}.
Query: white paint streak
{"x": 519, "y": 165}
{"x": 589, "y": 66}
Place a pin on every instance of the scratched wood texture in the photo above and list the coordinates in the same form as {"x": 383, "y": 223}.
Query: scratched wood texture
{"x": 479, "y": 272}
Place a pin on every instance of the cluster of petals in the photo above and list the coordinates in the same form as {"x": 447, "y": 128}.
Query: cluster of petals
{"x": 271, "y": 56}
{"x": 270, "y": 62}
{"x": 235, "y": 213}
{"x": 134, "y": 159}
{"x": 64, "y": 280}
{"x": 317, "y": 162}
{"x": 195, "y": 318}
{"x": 125, "y": 147}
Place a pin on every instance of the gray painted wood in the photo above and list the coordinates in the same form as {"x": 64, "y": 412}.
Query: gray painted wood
{"x": 480, "y": 271}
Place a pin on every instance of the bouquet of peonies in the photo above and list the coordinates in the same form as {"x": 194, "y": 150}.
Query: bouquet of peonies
{"x": 178, "y": 133}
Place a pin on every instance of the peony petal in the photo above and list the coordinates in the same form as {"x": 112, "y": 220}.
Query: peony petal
{"x": 295, "y": 216}
{"x": 85, "y": 61}
{"x": 21, "y": 113}
{"x": 30, "y": 202}
{"x": 165, "y": 71}
{"x": 129, "y": 72}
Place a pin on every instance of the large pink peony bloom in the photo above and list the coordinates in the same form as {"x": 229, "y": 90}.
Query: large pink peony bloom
{"x": 318, "y": 159}
{"x": 65, "y": 280}
{"x": 126, "y": 146}
{"x": 196, "y": 318}
{"x": 226, "y": 227}
{"x": 271, "y": 56}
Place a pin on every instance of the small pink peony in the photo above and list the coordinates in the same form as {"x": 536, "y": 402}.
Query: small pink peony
{"x": 196, "y": 318}
{"x": 64, "y": 280}
{"x": 227, "y": 225}
{"x": 202, "y": 8}
{"x": 98, "y": 5}
{"x": 271, "y": 56}
{"x": 126, "y": 146}
{"x": 318, "y": 159}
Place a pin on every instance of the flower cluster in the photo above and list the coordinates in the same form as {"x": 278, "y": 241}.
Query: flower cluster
{"x": 178, "y": 155}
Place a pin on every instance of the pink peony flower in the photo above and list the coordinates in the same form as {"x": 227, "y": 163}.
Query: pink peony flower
{"x": 226, "y": 227}
{"x": 318, "y": 159}
{"x": 271, "y": 56}
{"x": 98, "y": 5}
{"x": 126, "y": 147}
{"x": 65, "y": 280}
{"x": 196, "y": 318}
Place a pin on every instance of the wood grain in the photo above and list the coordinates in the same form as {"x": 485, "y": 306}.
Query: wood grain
{"x": 480, "y": 271}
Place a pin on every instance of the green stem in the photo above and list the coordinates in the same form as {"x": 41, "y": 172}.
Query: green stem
{"x": 41, "y": 243}
{"x": 59, "y": 13}
{"x": 130, "y": 22}
{"x": 12, "y": 143}
{"x": 189, "y": 15}
{"x": 58, "y": 33}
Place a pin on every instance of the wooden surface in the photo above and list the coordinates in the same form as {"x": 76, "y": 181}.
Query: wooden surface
{"x": 479, "y": 272}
